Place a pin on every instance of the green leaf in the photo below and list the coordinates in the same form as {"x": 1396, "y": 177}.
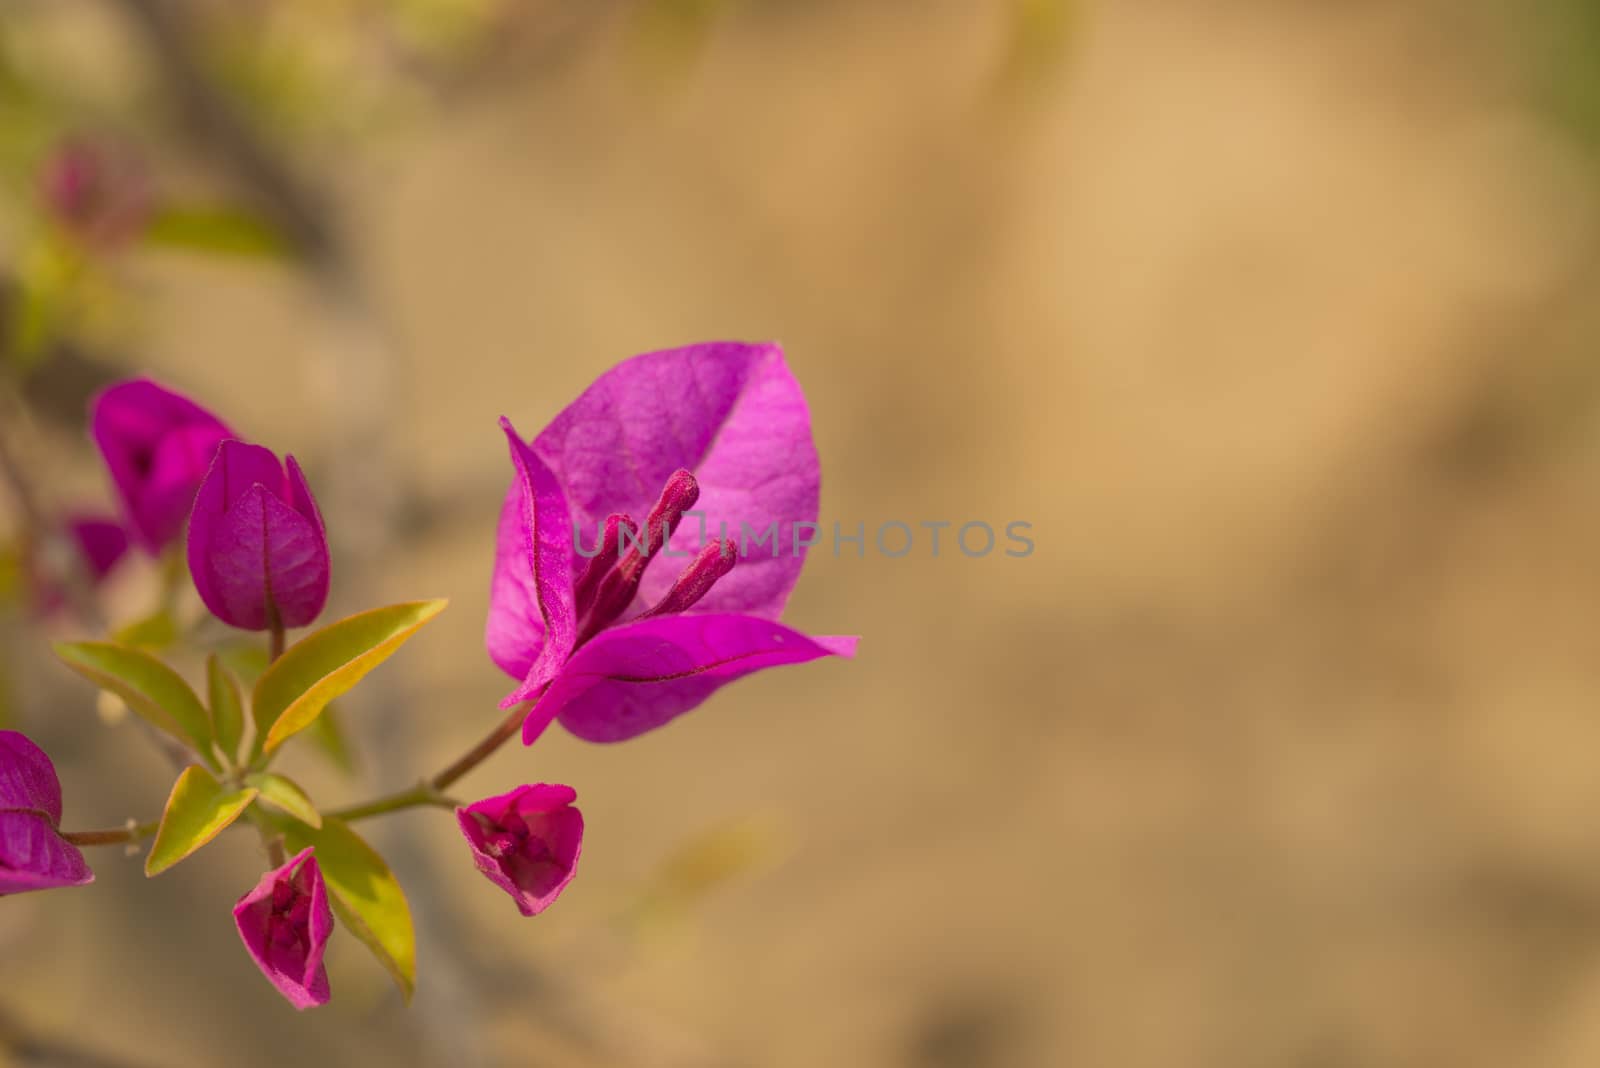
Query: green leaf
{"x": 198, "y": 810}
{"x": 284, "y": 795}
{"x": 227, "y": 707}
{"x": 245, "y": 659}
{"x": 365, "y": 895}
{"x": 217, "y": 230}
{"x": 10, "y": 571}
{"x": 157, "y": 631}
{"x": 323, "y": 665}
{"x": 150, "y": 688}
{"x": 327, "y": 733}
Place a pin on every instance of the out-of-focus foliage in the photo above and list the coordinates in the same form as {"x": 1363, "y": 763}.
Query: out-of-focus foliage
{"x": 1041, "y": 30}
{"x": 697, "y": 869}
{"x": 668, "y": 36}
{"x": 8, "y": 715}
{"x": 218, "y": 230}
{"x": 1566, "y": 60}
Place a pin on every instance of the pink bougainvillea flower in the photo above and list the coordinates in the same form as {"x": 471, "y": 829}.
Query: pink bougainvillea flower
{"x": 158, "y": 446}
{"x": 101, "y": 542}
{"x": 712, "y": 437}
{"x": 33, "y": 855}
{"x": 98, "y": 192}
{"x": 285, "y": 923}
{"x": 527, "y": 842}
{"x": 258, "y": 551}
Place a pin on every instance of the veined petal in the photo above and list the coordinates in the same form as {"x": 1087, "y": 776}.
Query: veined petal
{"x": 641, "y": 675}
{"x": 532, "y": 618}
{"x": 730, "y": 413}
{"x": 300, "y": 498}
{"x": 250, "y": 541}
{"x": 263, "y": 548}
{"x": 27, "y": 777}
{"x": 514, "y": 633}
{"x": 33, "y": 856}
{"x": 285, "y": 923}
{"x": 526, "y": 842}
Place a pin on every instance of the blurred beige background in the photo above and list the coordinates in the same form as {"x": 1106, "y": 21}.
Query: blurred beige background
{"x": 1276, "y": 321}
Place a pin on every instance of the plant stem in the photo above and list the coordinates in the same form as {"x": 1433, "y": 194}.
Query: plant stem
{"x": 276, "y": 640}
{"x": 429, "y": 792}
{"x": 480, "y": 752}
{"x": 424, "y": 793}
{"x": 119, "y": 836}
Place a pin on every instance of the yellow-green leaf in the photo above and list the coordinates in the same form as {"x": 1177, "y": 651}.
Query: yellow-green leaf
{"x": 218, "y": 230}
{"x": 157, "y": 631}
{"x": 198, "y": 810}
{"x": 227, "y": 707}
{"x": 365, "y": 895}
{"x": 247, "y": 660}
{"x": 323, "y": 665}
{"x": 150, "y": 688}
{"x": 327, "y": 734}
{"x": 284, "y": 795}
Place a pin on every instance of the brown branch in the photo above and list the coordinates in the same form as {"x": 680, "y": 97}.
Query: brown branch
{"x": 226, "y": 136}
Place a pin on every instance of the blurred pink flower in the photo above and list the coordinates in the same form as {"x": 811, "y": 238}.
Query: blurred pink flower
{"x": 158, "y": 446}
{"x": 97, "y": 192}
{"x": 100, "y": 542}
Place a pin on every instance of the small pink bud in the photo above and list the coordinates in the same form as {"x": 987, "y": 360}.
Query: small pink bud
{"x": 98, "y": 193}
{"x": 285, "y": 923}
{"x": 258, "y": 552}
{"x": 526, "y": 842}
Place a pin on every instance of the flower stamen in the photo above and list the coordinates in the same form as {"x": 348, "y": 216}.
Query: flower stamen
{"x": 713, "y": 561}
{"x": 613, "y": 593}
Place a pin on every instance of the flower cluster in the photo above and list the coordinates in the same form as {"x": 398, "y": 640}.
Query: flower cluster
{"x": 610, "y": 644}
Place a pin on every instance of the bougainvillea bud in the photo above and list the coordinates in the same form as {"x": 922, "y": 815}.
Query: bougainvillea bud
{"x": 527, "y": 842}
{"x": 33, "y": 855}
{"x": 257, "y": 548}
{"x": 285, "y": 923}
{"x": 98, "y": 542}
{"x": 158, "y": 445}
{"x": 97, "y": 192}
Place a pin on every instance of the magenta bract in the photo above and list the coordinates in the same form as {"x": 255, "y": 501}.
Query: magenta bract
{"x": 527, "y": 842}
{"x": 33, "y": 855}
{"x": 658, "y": 455}
{"x": 285, "y": 923}
{"x": 258, "y": 551}
{"x": 101, "y": 542}
{"x": 158, "y": 446}
{"x": 98, "y": 192}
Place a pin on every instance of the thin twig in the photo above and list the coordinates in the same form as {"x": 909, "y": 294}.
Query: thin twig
{"x": 225, "y": 136}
